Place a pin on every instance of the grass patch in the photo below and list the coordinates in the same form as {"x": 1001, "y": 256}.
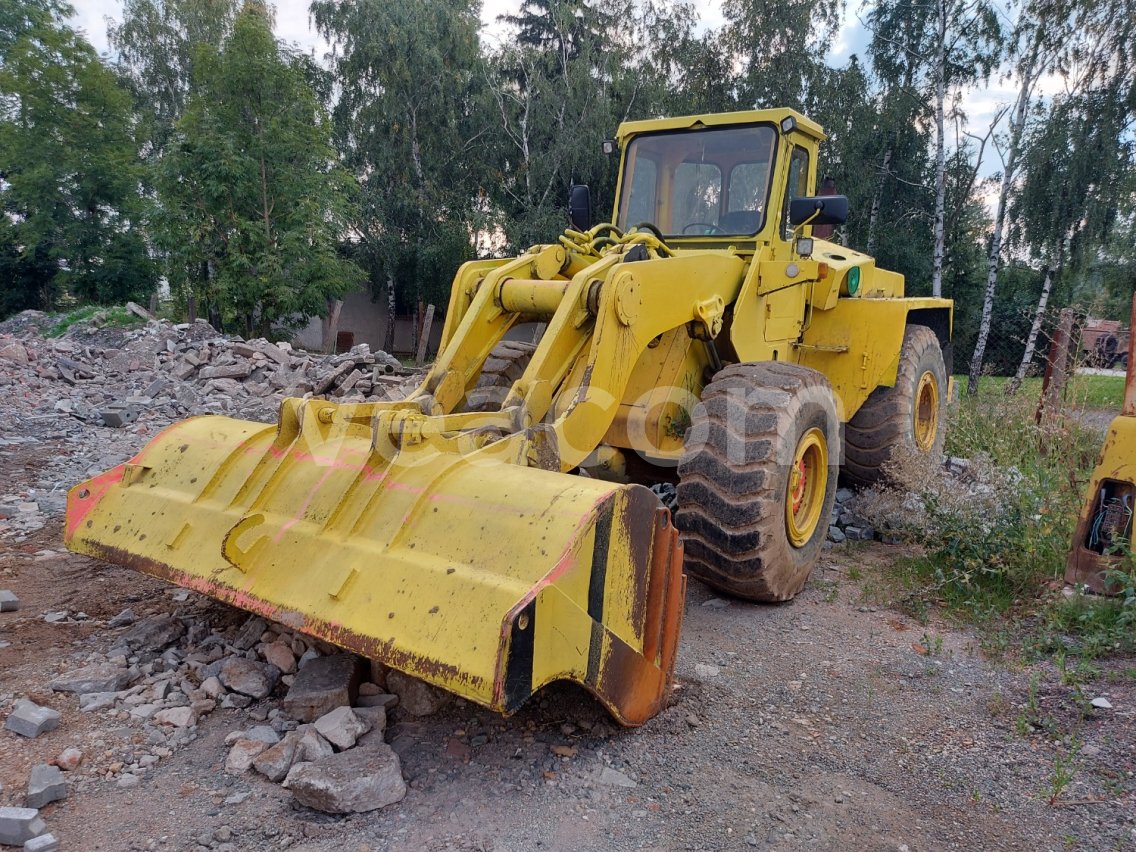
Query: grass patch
{"x": 115, "y": 315}
{"x": 1083, "y": 391}
{"x": 993, "y": 540}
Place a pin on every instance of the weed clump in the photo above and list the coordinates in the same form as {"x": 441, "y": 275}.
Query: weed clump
{"x": 992, "y": 525}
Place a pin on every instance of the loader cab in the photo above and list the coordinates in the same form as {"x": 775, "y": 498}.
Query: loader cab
{"x": 718, "y": 179}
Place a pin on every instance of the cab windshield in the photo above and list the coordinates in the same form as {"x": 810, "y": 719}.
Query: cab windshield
{"x": 706, "y": 182}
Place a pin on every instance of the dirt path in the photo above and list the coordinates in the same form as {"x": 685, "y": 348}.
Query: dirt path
{"x": 822, "y": 724}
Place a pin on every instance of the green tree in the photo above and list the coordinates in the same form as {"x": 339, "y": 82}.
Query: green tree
{"x": 156, "y": 43}
{"x": 254, "y": 201}
{"x": 411, "y": 126}
{"x": 69, "y": 183}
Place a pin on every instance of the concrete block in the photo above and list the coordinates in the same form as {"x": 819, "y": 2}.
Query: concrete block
{"x": 342, "y": 727}
{"x": 28, "y": 719}
{"x": 19, "y": 825}
{"x": 45, "y": 785}
{"x": 356, "y": 781}
{"x": 8, "y": 601}
{"x": 44, "y": 843}
{"x": 321, "y": 685}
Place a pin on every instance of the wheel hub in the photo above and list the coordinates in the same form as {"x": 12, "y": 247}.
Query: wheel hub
{"x": 805, "y": 493}
{"x": 925, "y": 418}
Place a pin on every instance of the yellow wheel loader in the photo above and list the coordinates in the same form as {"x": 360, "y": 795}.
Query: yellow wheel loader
{"x": 494, "y": 531}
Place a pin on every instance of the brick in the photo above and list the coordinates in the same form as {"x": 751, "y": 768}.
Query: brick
{"x": 44, "y": 843}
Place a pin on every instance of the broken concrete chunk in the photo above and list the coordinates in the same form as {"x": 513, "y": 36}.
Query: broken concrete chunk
{"x": 321, "y": 685}
{"x": 19, "y": 825}
{"x": 178, "y": 717}
{"x": 153, "y": 634}
{"x": 249, "y": 677}
{"x": 89, "y": 702}
{"x": 118, "y": 415}
{"x": 414, "y": 696}
{"x": 8, "y": 601}
{"x": 250, "y": 632}
{"x": 312, "y": 746}
{"x": 356, "y": 781}
{"x": 342, "y": 727}
{"x": 45, "y": 785}
{"x": 28, "y": 719}
{"x": 275, "y": 761}
{"x": 242, "y": 754}
{"x": 44, "y": 843}
{"x": 99, "y": 677}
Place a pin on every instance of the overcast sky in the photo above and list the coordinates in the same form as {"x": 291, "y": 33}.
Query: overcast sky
{"x": 292, "y": 26}
{"x": 292, "y": 23}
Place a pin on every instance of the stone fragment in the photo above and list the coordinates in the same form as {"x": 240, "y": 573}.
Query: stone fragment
{"x": 835, "y": 534}
{"x": 414, "y": 696}
{"x": 8, "y": 601}
{"x": 275, "y": 761}
{"x": 281, "y": 657}
{"x": 92, "y": 701}
{"x": 613, "y": 778}
{"x": 321, "y": 685}
{"x": 44, "y": 843}
{"x": 350, "y": 782}
{"x": 342, "y": 727}
{"x": 98, "y": 677}
{"x": 312, "y": 746}
{"x": 242, "y": 754}
{"x": 1101, "y": 703}
{"x": 178, "y": 717}
{"x": 123, "y": 619}
{"x": 154, "y": 634}
{"x": 212, "y": 687}
{"x": 249, "y": 677}
{"x": 45, "y": 785}
{"x": 28, "y": 719}
{"x": 119, "y": 415}
{"x": 19, "y": 825}
{"x": 14, "y": 352}
{"x": 387, "y": 700}
{"x": 250, "y": 632}
{"x": 226, "y": 371}
{"x": 69, "y": 759}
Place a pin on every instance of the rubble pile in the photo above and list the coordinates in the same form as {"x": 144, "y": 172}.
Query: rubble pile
{"x": 103, "y": 392}
{"x": 178, "y": 370}
{"x": 314, "y": 717}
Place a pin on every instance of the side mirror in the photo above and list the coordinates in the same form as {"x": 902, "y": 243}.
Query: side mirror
{"x": 580, "y": 206}
{"x": 830, "y": 210}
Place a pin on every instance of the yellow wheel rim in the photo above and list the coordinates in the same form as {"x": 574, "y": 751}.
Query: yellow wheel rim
{"x": 926, "y": 415}
{"x": 808, "y": 481}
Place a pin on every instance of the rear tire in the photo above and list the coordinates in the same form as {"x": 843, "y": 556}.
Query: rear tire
{"x": 750, "y": 526}
{"x": 505, "y": 364}
{"x": 909, "y": 415}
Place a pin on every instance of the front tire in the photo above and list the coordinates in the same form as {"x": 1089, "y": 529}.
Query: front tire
{"x": 757, "y": 479}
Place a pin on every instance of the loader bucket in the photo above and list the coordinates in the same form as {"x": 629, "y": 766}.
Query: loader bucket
{"x": 485, "y": 578}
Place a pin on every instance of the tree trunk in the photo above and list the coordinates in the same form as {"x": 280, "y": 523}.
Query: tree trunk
{"x": 1035, "y": 327}
{"x": 331, "y": 325}
{"x": 877, "y": 197}
{"x": 1052, "y": 268}
{"x": 388, "y": 338}
{"x": 1017, "y": 127}
{"x": 940, "y": 151}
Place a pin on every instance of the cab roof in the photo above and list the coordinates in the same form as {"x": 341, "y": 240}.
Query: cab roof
{"x": 806, "y": 125}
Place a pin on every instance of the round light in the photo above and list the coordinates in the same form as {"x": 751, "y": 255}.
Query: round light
{"x": 853, "y": 280}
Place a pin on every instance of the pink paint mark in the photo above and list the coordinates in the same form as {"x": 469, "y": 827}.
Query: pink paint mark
{"x": 303, "y": 507}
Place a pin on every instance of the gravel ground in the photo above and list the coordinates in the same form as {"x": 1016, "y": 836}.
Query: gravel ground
{"x": 826, "y": 723}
